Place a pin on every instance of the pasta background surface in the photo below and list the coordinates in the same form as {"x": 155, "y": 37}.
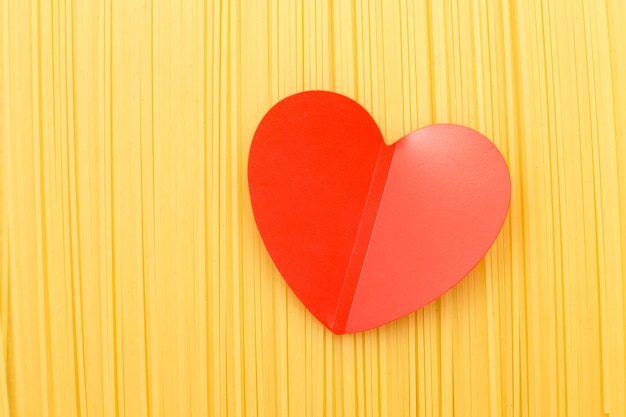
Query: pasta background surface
{"x": 133, "y": 281}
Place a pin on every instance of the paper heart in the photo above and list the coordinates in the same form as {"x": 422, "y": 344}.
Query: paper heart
{"x": 362, "y": 232}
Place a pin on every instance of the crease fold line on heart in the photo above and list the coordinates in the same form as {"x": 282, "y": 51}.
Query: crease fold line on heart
{"x": 363, "y": 236}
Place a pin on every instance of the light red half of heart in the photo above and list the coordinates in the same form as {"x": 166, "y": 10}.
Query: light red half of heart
{"x": 363, "y": 232}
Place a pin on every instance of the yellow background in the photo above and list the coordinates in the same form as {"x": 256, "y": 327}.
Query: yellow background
{"x": 133, "y": 280}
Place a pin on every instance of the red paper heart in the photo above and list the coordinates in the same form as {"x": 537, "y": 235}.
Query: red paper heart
{"x": 363, "y": 232}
